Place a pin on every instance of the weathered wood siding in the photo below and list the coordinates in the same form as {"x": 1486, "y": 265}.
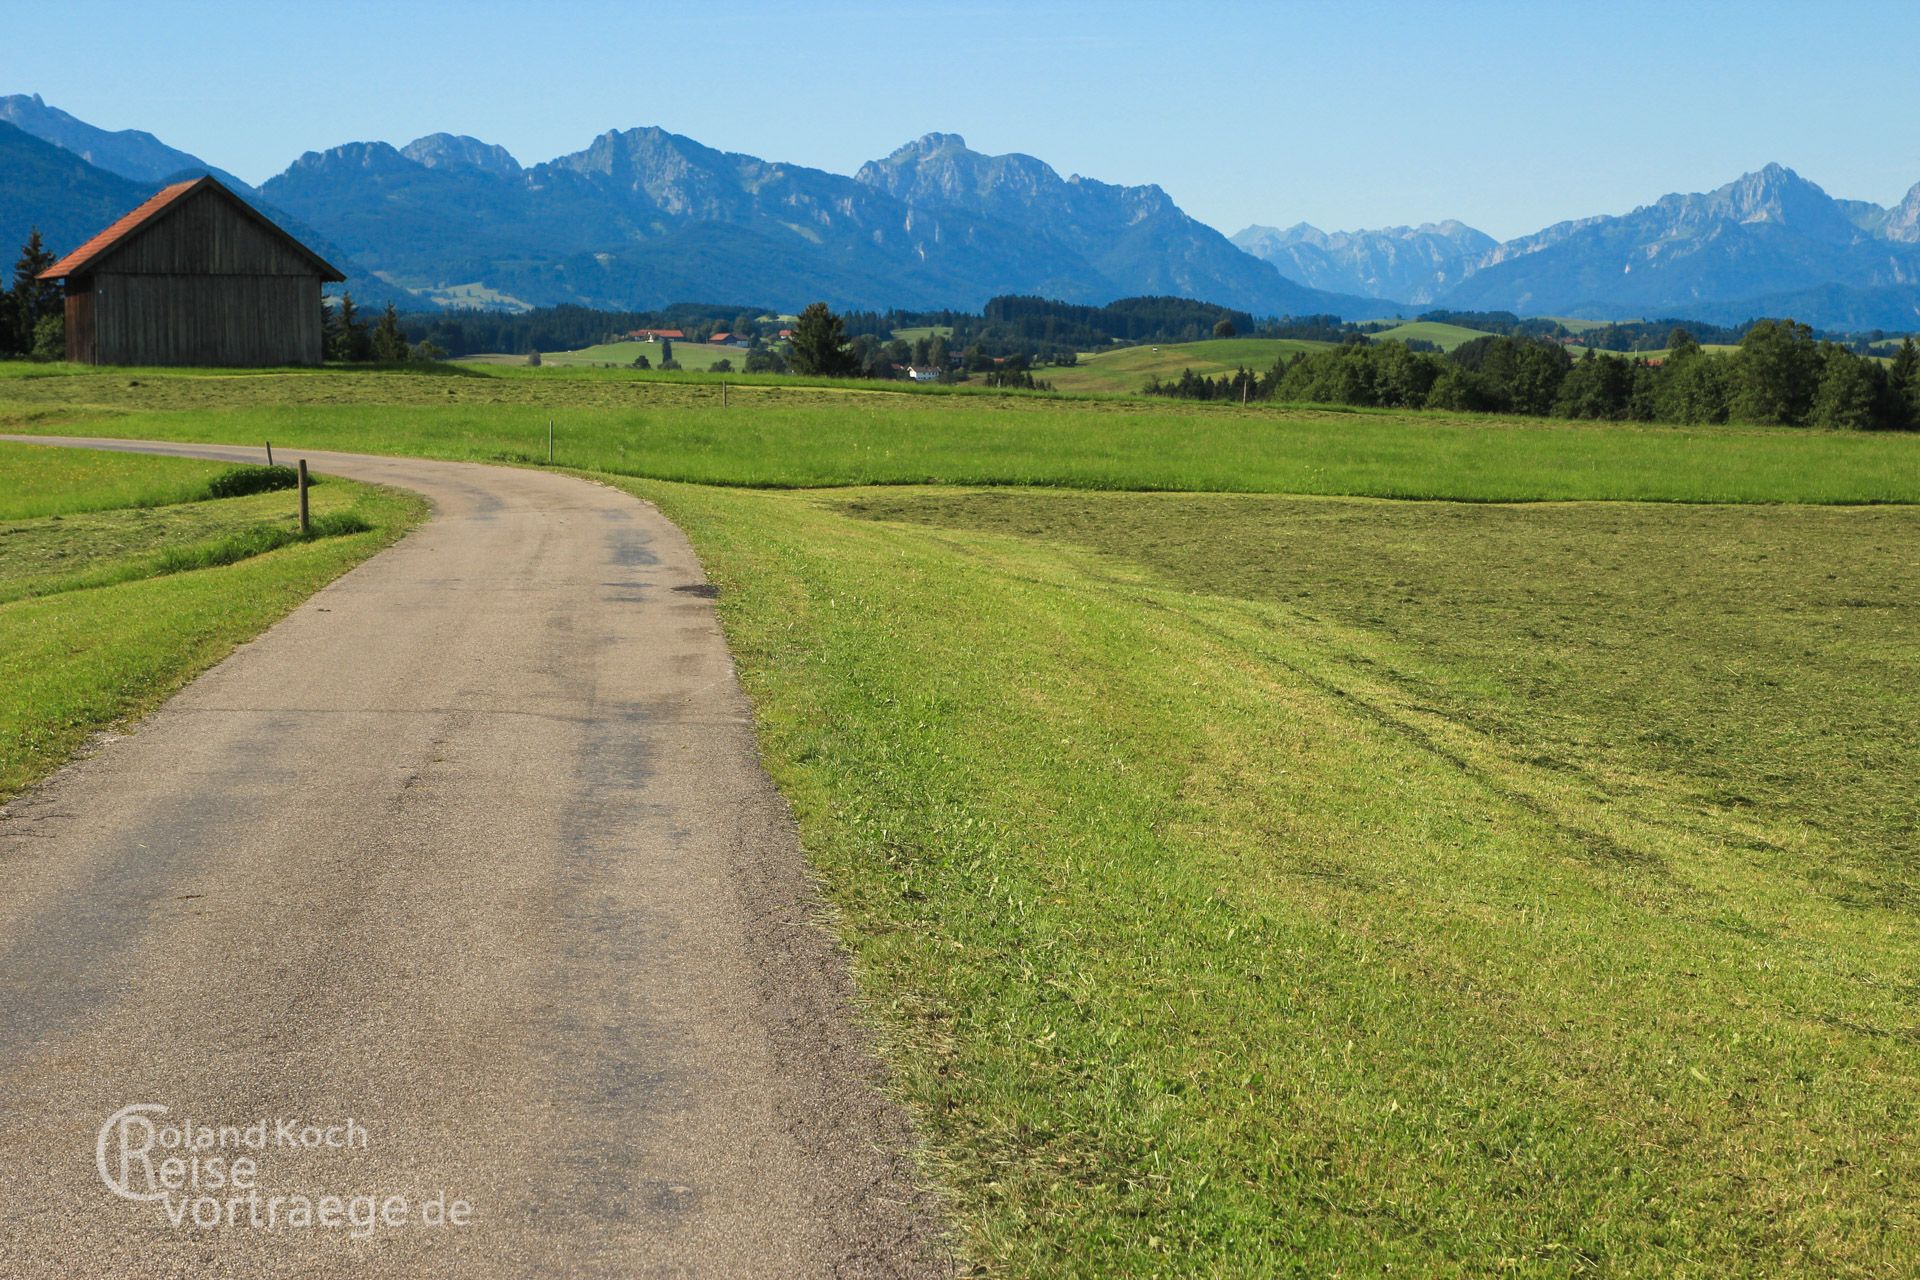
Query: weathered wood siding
{"x": 80, "y": 322}
{"x": 206, "y": 235}
{"x": 204, "y": 285}
{"x": 206, "y": 320}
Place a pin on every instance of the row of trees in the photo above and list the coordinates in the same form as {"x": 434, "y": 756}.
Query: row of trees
{"x": 33, "y": 312}
{"x": 351, "y": 340}
{"x": 1780, "y": 375}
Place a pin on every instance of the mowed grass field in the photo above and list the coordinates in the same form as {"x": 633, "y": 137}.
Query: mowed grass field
{"x": 697, "y": 357}
{"x": 1125, "y": 370}
{"x": 1249, "y": 876}
{"x": 120, "y": 579}
{"x": 1257, "y": 885}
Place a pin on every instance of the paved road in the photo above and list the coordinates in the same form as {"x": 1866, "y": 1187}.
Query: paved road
{"x": 474, "y": 850}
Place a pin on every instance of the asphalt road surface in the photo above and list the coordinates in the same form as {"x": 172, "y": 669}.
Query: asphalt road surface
{"x": 463, "y": 885}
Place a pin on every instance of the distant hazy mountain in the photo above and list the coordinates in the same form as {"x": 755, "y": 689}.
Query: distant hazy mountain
{"x": 1768, "y": 243}
{"x": 643, "y": 217}
{"x": 1135, "y": 238}
{"x": 130, "y": 153}
{"x": 1768, "y": 234}
{"x": 51, "y": 188}
{"x": 1900, "y": 223}
{"x": 448, "y": 151}
{"x": 1414, "y": 264}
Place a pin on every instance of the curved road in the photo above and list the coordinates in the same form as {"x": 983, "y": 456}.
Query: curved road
{"x": 473, "y": 851}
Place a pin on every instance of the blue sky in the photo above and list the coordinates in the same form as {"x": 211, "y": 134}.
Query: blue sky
{"x": 1509, "y": 116}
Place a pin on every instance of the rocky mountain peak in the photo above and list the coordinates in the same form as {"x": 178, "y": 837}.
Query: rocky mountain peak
{"x": 458, "y": 151}
{"x": 369, "y": 157}
{"x": 1903, "y": 220}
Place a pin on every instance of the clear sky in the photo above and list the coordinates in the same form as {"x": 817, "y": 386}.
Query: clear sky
{"x": 1508, "y": 116}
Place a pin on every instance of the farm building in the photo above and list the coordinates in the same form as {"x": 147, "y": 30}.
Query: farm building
{"x": 194, "y": 276}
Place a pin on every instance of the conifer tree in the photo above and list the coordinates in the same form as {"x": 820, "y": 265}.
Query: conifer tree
{"x": 819, "y": 344}
{"x": 389, "y": 344}
{"x": 31, "y": 299}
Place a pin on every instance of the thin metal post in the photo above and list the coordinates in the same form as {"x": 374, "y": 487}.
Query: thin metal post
{"x": 549, "y": 441}
{"x": 723, "y": 395}
{"x": 269, "y": 453}
{"x": 305, "y": 527}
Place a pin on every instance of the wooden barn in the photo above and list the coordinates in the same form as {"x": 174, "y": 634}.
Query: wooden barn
{"x": 194, "y": 276}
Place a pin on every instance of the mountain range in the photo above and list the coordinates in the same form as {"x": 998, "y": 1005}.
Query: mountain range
{"x": 1767, "y": 243}
{"x": 644, "y": 217}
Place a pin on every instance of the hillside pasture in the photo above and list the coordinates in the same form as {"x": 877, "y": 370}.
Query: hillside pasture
{"x": 1574, "y": 325}
{"x": 1444, "y": 336}
{"x": 1124, "y": 370}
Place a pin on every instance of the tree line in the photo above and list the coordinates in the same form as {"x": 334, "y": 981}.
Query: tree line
{"x": 1045, "y": 331}
{"x": 1782, "y": 374}
{"x": 570, "y": 327}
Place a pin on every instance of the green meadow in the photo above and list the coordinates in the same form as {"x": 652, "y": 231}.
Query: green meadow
{"x": 1444, "y": 336}
{"x": 121, "y": 579}
{"x": 1270, "y": 841}
{"x": 697, "y": 357}
{"x": 1573, "y": 325}
{"x": 779, "y": 433}
{"x": 1124, "y": 370}
{"x": 1263, "y": 885}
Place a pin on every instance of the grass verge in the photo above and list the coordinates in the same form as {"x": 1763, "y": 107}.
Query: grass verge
{"x": 105, "y": 611}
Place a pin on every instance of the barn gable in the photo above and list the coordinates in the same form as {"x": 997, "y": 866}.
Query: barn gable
{"x": 194, "y": 276}
{"x": 198, "y": 227}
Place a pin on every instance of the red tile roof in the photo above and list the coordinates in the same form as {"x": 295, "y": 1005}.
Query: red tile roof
{"x": 93, "y": 250}
{"x": 76, "y": 261}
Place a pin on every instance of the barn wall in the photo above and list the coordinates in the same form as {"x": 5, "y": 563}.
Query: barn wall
{"x": 203, "y": 284}
{"x": 243, "y": 320}
{"x": 206, "y": 234}
{"x": 80, "y": 321}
